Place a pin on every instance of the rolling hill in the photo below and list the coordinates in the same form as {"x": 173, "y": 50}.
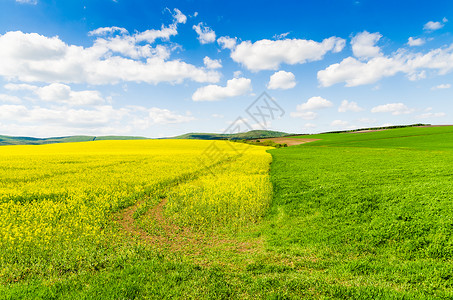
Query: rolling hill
{"x": 17, "y": 140}
{"x": 253, "y": 134}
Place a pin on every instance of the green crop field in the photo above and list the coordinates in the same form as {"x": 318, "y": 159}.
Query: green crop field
{"x": 373, "y": 212}
{"x": 353, "y": 216}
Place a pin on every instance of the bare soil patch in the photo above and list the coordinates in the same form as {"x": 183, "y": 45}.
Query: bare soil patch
{"x": 289, "y": 141}
{"x": 204, "y": 248}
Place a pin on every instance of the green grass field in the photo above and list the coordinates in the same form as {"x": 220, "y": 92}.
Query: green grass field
{"x": 372, "y": 210}
{"x": 353, "y": 216}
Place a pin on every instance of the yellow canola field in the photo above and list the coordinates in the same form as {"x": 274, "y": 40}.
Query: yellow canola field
{"x": 60, "y": 198}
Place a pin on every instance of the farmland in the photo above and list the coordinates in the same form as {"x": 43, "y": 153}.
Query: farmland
{"x": 363, "y": 215}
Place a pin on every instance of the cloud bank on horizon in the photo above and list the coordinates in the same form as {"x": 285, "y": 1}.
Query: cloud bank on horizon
{"x": 174, "y": 77}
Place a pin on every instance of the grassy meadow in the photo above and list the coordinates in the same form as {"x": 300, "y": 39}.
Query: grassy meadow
{"x": 353, "y": 215}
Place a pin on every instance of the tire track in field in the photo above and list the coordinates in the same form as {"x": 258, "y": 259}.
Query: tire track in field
{"x": 165, "y": 235}
{"x": 201, "y": 247}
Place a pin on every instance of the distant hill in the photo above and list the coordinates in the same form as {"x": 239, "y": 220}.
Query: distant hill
{"x": 253, "y": 134}
{"x": 19, "y": 140}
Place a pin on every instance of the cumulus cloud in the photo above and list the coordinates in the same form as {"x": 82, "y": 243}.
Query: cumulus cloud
{"x": 415, "y": 42}
{"x": 101, "y": 119}
{"x": 61, "y": 94}
{"x": 205, "y": 34}
{"x": 269, "y": 55}
{"x": 20, "y": 86}
{"x": 212, "y": 63}
{"x": 9, "y": 99}
{"x": 108, "y": 30}
{"x": 226, "y": 42}
{"x": 355, "y": 72}
{"x": 367, "y": 120}
{"x": 363, "y": 45}
{"x": 31, "y": 57}
{"x": 179, "y": 16}
{"x": 441, "y": 86}
{"x": 349, "y": 106}
{"x": 431, "y": 26}
{"x": 306, "y": 115}
{"x": 314, "y": 103}
{"x": 282, "y": 80}
{"x": 235, "y": 87}
{"x": 431, "y": 115}
{"x": 339, "y": 123}
{"x": 393, "y": 108}
{"x": 165, "y": 116}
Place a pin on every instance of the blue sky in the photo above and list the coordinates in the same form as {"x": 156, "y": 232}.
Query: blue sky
{"x": 163, "y": 68}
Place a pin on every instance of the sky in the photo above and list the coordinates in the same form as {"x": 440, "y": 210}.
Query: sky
{"x": 164, "y": 68}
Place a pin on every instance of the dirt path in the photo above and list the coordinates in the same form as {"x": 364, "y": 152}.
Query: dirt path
{"x": 202, "y": 247}
{"x": 290, "y": 141}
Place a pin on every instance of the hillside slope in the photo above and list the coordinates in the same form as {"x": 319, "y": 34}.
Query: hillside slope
{"x": 17, "y": 140}
{"x": 253, "y": 134}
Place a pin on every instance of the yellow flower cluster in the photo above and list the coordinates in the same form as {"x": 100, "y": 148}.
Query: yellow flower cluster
{"x": 62, "y": 196}
{"x": 233, "y": 193}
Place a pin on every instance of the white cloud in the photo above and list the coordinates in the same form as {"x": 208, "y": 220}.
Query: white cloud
{"x": 100, "y": 115}
{"x": 235, "y": 87}
{"x": 415, "y": 42}
{"x": 354, "y": 72}
{"x": 306, "y": 115}
{"x": 431, "y": 26}
{"x": 280, "y": 36}
{"x": 57, "y": 92}
{"x": 282, "y": 80}
{"x": 9, "y": 99}
{"x": 416, "y": 75}
{"x": 349, "y": 106}
{"x": 212, "y": 63}
{"x": 339, "y": 123}
{"x": 314, "y": 103}
{"x": 179, "y": 16}
{"x": 309, "y": 125}
{"x": 394, "y": 108}
{"x": 269, "y": 54}
{"x": 226, "y": 42}
{"x": 33, "y": 57}
{"x": 108, "y": 30}
{"x": 151, "y": 35}
{"x": 441, "y": 86}
{"x": 304, "y": 110}
{"x": 237, "y": 74}
{"x": 61, "y": 94}
{"x": 20, "y": 87}
{"x": 367, "y": 120}
{"x": 363, "y": 45}
{"x": 165, "y": 116}
{"x": 432, "y": 115}
{"x": 99, "y": 120}
{"x": 205, "y": 34}
{"x": 33, "y": 2}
